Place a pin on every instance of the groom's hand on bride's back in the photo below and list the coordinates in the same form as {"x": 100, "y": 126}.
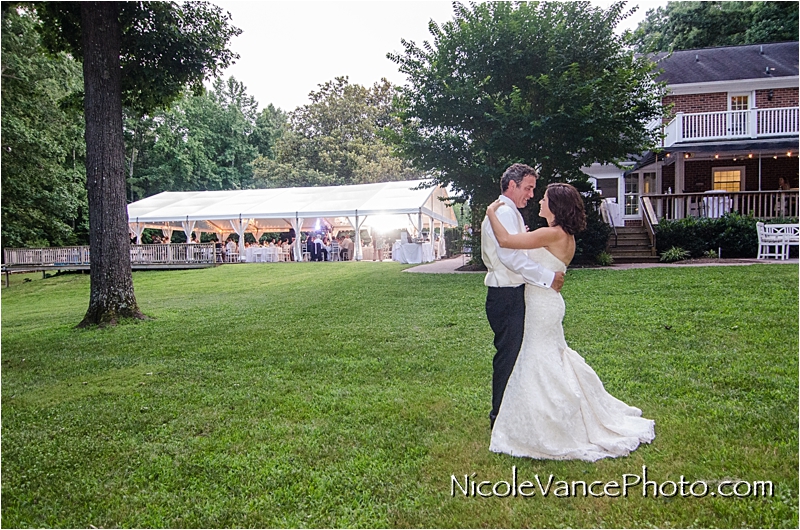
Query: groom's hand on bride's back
{"x": 558, "y": 282}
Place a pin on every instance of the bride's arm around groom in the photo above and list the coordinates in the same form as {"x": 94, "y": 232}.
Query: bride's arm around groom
{"x": 512, "y": 266}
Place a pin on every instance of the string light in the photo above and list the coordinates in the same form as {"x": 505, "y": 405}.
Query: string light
{"x": 716, "y": 156}
{"x": 750, "y": 155}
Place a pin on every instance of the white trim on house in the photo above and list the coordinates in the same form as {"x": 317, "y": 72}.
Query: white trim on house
{"x": 741, "y": 85}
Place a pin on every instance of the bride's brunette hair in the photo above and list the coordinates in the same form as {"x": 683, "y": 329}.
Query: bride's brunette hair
{"x": 567, "y": 206}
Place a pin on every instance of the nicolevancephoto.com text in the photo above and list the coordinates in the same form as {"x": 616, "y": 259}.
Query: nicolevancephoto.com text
{"x": 629, "y": 484}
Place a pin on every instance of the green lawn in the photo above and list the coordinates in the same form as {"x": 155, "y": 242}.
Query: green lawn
{"x": 347, "y": 394}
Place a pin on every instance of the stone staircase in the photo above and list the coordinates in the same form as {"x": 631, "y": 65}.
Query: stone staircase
{"x": 632, "y": 245}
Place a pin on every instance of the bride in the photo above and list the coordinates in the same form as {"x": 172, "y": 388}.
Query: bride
{"x": 555, "y": 407}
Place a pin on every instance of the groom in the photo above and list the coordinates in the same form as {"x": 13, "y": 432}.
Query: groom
{"x": 509, "y": 270}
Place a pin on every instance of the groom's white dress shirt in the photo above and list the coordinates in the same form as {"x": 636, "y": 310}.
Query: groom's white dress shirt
{"x": 510, "y": 267}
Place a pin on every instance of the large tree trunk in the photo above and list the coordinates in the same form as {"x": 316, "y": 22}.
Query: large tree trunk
{"x": 112, "y": 295}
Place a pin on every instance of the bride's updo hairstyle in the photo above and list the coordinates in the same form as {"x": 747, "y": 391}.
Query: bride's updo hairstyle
{"x": 567, "y": 206}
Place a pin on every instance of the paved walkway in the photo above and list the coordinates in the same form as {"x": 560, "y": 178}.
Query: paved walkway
{"x": 448, "y": 266}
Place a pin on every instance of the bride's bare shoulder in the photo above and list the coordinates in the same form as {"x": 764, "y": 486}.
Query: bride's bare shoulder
{"x": 552, "y": 233}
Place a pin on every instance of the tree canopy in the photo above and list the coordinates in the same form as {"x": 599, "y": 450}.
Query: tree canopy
{"x": 200, "y": 143}
{"x": 43, "y": 178}
{"x": 271, "y": 124}
{"x": 545, "y": 83}
{"x": 165, "y": 47}
{"x": 688, "y": 25}
{"x": 335, "y": 139}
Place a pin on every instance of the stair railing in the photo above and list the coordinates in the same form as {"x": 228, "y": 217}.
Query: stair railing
{"x": 606, "y": 215}
{"x": 651, "y": 220}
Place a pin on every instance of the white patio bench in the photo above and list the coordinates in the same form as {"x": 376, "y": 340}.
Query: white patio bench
{"x": 774, "y": 240}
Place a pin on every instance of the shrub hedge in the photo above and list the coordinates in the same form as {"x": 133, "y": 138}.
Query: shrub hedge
{"x": 735, "y": 235}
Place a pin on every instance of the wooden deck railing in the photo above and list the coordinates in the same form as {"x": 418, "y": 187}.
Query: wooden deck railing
{"x": 171, "y": 254}
{"x": 759, "y": 204}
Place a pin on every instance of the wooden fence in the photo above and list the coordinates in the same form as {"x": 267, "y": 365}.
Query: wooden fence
{"x": 176, "y": 254}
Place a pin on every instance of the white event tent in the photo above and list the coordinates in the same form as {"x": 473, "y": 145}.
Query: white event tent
{"x": 414, "y": 204}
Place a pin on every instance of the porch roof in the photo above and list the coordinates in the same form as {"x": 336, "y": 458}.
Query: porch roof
{"x": 730, "y": 146}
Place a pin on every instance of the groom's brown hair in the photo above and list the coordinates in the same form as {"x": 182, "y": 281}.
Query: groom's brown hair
{"x": 516, "y": 172}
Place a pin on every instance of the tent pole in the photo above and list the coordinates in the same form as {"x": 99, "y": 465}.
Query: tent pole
{"x": 241, "y": 238}
{"x": 438, "y": 243}
{"x": 357, "y": 251}
{"x": 298, "y": 249}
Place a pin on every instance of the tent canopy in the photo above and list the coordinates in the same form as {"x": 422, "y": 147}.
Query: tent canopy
{"x": 279, "y": 208}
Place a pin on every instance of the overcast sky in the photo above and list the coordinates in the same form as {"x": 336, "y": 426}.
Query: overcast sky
{"x": 288, "y": 48}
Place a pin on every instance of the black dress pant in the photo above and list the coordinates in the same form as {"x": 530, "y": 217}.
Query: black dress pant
{"x": 505, "y": 310}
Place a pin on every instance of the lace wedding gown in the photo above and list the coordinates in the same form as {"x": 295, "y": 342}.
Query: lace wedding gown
{"x": 555, "y": 407}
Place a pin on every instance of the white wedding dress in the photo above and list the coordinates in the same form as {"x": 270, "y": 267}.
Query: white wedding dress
{"x": 555, "y": 407}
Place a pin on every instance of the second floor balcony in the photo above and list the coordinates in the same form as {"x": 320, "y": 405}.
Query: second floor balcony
{"x": 738, "y": 124}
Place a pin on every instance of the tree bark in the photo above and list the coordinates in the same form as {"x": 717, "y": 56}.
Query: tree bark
{"x": 111, "y": 296}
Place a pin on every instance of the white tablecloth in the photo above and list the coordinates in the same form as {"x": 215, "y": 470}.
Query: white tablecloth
{"x": 262, "y": 254}
{"x": 412, "y": 252}
{"x": 194, "y": 253}
{"x": 716, "y": 206}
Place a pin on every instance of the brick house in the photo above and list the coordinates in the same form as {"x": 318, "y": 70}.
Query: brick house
{"x": 730, "y": 134}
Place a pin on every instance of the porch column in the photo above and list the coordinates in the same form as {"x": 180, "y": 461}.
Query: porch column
{"x": 759, "y": 171}
{"x": 680, "y": 164}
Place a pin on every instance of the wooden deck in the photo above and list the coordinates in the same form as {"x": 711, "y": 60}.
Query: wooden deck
{"x": 174, "y": 256}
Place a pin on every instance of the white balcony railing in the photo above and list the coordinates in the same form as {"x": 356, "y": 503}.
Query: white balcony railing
{"x": 753, "y": 123}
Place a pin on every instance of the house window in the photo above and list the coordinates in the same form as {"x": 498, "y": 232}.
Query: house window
{"x": 649, "y": 183}
{"x": 632, "y": 194}
{"x": 740, "y": 102}
{"x": 728, "y": 178}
